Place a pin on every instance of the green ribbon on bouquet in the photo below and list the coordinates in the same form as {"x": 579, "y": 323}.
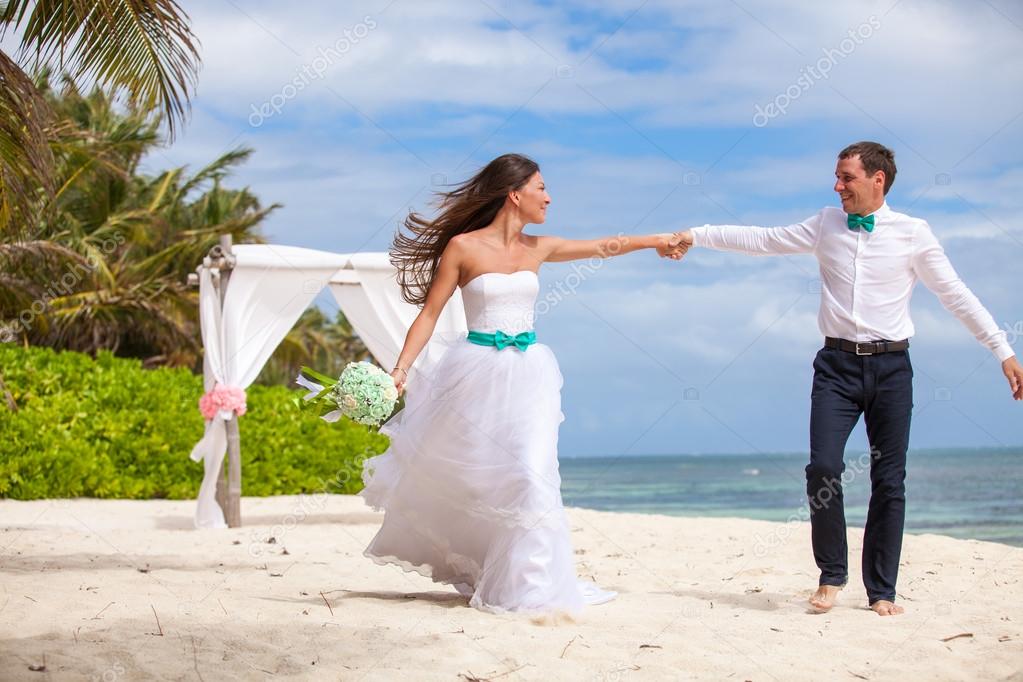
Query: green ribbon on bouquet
{"x": 326, "y": 404}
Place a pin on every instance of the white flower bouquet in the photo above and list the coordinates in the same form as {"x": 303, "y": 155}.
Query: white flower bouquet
{"x": 363, "y": 393}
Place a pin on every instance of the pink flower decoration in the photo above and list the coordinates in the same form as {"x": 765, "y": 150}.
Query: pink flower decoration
{"x": 222, "y": 397}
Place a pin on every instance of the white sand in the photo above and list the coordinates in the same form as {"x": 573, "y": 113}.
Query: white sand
{"x": 696, "y": 602}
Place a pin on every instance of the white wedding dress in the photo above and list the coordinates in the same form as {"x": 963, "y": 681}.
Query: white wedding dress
{"x": 470, "y": 484}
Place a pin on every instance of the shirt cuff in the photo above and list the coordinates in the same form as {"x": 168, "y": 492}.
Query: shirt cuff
{"x": 1003, "y": 351}
{"x": 699, "y": 235}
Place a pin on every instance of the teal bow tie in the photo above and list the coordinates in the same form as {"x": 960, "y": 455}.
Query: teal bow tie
{"x": 522, "y": 340}
{"x": 855, "y": 221}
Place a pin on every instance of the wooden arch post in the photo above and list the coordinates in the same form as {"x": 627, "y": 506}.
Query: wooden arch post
{"x": 229, "y": 489}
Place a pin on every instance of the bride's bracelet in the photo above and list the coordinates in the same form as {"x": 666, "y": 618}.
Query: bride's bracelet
{"x": 403, "y": 370}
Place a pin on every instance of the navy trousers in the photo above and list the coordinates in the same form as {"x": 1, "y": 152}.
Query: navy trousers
{"x": 880, "y": 387}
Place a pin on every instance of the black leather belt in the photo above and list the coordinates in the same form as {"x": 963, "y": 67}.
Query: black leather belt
{"x": 867, "y": 347}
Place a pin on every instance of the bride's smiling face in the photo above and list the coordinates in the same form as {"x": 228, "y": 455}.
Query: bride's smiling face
{"x": 532, "y": 199}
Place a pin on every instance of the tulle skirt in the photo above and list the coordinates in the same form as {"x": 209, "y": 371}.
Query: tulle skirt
{"x": 470, "y": 484}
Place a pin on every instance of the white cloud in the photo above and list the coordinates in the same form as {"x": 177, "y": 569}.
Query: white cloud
{"x": 718, "y": 62}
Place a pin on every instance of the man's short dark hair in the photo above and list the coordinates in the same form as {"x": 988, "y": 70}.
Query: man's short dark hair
{"x": 875, "y": 157}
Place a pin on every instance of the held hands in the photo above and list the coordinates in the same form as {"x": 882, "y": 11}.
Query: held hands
{"x": 674, "y": 245}
{"x": 1014, "y": 373}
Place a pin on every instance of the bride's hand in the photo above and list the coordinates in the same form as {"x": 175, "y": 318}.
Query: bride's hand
{"x": 399, "y": 376}
{"x": 674, "y": 245}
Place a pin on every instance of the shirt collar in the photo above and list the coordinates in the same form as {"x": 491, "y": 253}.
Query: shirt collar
{"x": 882, "y": 212}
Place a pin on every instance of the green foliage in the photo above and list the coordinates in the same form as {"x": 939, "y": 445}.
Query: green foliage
{"x": 108, "y": 428}
{"x": 143, "y": 52}
{"x": 106, "y": 264}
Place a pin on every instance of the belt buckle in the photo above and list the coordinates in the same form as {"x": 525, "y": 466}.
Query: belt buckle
{"x": 866, "y": 343}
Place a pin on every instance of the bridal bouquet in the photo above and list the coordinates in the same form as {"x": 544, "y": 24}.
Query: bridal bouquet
{"x": 363, "y": 393}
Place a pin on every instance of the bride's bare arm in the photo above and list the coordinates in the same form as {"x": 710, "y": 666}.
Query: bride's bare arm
{"x": 444, "y": 284}
{"x": 558, "y": 249}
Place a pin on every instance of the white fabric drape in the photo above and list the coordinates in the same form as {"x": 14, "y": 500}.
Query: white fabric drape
{"x": 269, "y": 288}
{"x": 368, "y": 294}
{"x": 210, "y": 449}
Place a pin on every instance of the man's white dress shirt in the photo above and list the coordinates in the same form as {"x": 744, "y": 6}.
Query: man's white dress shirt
{"x": 867, "y": 278}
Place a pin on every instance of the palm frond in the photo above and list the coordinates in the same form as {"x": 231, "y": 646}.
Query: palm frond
{"x": 38, "y": 250}
{"x": 26, "y": 163}
{"x": 143, "y": 47}
{"x": 217, "y": 169}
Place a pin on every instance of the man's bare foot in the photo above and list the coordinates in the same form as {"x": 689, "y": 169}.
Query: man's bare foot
{"x": 883, "y": 607}
{"x": 825, "y": 597}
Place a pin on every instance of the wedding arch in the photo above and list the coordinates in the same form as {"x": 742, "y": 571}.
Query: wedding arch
{"x": 250, "y": 296}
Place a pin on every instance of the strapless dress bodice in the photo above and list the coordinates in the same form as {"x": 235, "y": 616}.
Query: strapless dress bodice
{"x": 501, "y": 301}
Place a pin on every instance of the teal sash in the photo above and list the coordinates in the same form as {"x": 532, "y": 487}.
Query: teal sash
{"x": 522, "y": 340}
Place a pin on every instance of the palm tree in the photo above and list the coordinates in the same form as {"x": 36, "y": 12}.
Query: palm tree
{"x": 108, "y": 264}
{"x": 94, "y": 254}
{"x": 113, "y": 247}
{"x": 142, "y": 50}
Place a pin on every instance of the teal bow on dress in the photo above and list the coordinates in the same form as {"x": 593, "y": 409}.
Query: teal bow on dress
{"x": 855, "y": 221}
{"x": 522, "y": 340}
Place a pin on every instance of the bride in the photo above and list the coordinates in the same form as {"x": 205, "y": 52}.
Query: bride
{"x": 470, "y": 484}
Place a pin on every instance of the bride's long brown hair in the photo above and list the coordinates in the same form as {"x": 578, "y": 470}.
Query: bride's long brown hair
{"x": 470, "y": 206}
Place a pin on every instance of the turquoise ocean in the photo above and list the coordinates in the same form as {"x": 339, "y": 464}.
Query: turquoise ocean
{"x": 963, "y": 493}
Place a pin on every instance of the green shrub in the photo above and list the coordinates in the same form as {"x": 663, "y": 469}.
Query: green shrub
{"x": 108, "y": 428}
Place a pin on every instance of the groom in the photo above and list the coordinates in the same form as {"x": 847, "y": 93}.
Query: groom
{"x": 870, "y": 258}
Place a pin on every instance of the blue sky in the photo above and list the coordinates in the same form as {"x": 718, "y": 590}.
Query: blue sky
{"x": 649, "y": 117}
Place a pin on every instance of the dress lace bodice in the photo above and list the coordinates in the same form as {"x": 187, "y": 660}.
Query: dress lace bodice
{"x": 499, "y": 300}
